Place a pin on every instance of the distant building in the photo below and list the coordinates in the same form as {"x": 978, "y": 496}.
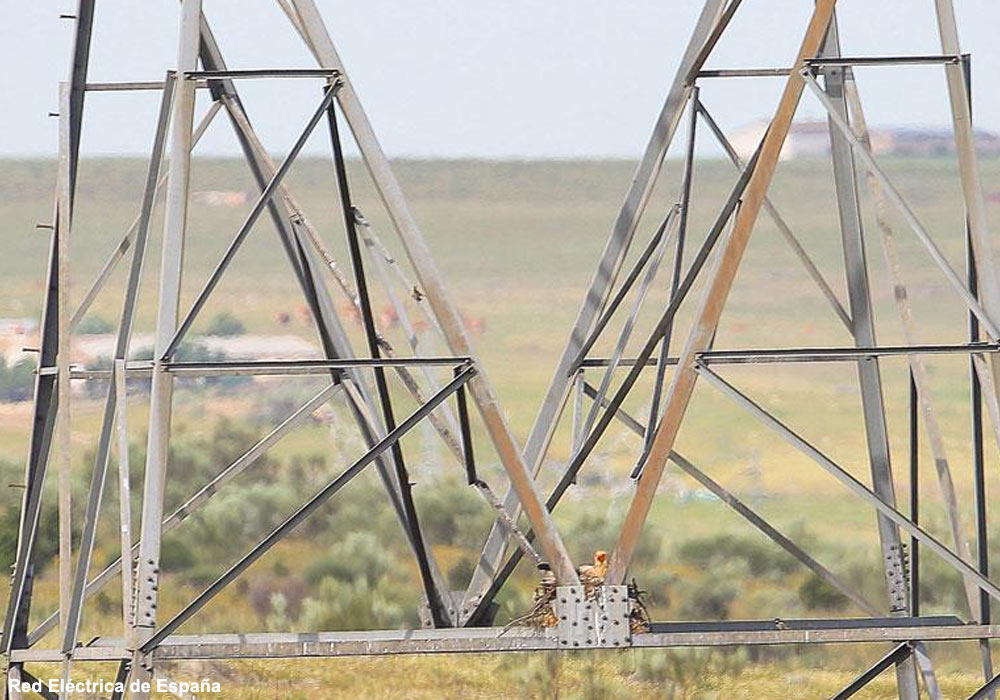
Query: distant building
{"x": 220, "y": 198}
{"x": 17, "y": 326}
{"x": 812, "y": 140}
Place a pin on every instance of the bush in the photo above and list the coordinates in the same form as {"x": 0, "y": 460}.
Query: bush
{"x": 186, "y": 352}
{"x": 708, "y": 602}
{"x": 277, "y": 600}
{"x": 452, "y": 513}
{"x": 176, "y": 555}
{"x": 461, "y": 573}
{"x": 817, "y": 594}
{"x": 340, "y": 605}
{"x": 95, "y": 325}
{"x": 358, "y": 556}
{"x": 225, "y": 324}
{"x": 17, "y": 381}
{"x": 760, "y": 557}
{"x": 46, "y": 540}
{"x": 197, "y": 352}
{"x": 239, "y": 515}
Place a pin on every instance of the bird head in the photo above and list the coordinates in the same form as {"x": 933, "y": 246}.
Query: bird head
{"x": 601, "y": 561}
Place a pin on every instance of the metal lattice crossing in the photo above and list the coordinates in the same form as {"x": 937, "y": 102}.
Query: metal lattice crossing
{"x": 461, "y": 622}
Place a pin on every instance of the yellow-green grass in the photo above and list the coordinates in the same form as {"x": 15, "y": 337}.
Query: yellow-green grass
{"x": 517, "y": 244}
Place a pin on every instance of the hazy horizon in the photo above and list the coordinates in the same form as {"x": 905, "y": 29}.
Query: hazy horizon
{"x": 518, "y": 81}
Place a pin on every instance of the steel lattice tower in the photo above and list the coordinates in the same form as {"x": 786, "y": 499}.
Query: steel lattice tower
{"x": 463, "y": 622}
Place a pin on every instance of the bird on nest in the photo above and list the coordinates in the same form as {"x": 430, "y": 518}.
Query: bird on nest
{"x": 592, "y": 575}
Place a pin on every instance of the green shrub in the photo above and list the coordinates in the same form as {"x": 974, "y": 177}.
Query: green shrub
{"x": 340, "y": 605}
{"x": 461, "y": 573}
{"x": 357, "y": 557}
{"x": 225, "y": 324}
{"x": 95, "y": 325}
{"x": 761, "y": 558}
{"x": 708, "y": 602}
{"x": 176, "y": 554}
{"x": 817, "y": 594}
{"x": 46, "y": 539}
{"x": 18, "y": 380}
{"x": 452, "y": 513}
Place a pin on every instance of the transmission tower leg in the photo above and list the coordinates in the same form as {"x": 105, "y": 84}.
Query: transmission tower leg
{"x": 869, "y": 376}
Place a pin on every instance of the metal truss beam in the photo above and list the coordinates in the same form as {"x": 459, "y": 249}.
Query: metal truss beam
{"x": 123, "y": 339}
{"x": 54, "y": 330}
{"x": 494, "y": 639}
{"x": 863, "y": 331}
{"x": 603, "y": 281}
{"x": 294, "y": 520}
{"x": 308, "y": 272}
{"x": 708, "y": 314}
{"x": 483, "y": 600}
{"x": 859, "y": 489}
{"x": 451, "y": 324}
{"x": 893, "y": 658}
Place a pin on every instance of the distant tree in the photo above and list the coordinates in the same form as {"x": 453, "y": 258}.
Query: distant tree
{"x": 225, "y": 324}
{"x": 95, "y": 325}
{"x": 17, "y": 380}
{"x": 192, "y": 352}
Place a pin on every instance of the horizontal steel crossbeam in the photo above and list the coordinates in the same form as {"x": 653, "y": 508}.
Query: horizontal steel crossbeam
{"x": 495, "y": 639}
{"x": 261, "y": 73}
{"x": 144, "y": 368}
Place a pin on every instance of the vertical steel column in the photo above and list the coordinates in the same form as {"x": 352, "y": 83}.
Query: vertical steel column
{"x": 862, "y": 321}
{"x": 125, "y": 323}
{"x": 710, "y": 310}
{"x": 911, "y": 335}
{"x": 446, "y": 313}
{"x": 438, "y": 608}
{"x": 124, "y": 503}
{"x": 979, "y": 466}
{"x": 64, "y": 412}
{"x": 43, "y": 419}
{"x": 958, "y": 80}
{"x": 467, "y": 451}
{"x": 174, "y": 229}
{"x": 46, "y": 391}
{"x": 914, "y": 497}
{"x": 979, "y": 469}
{"x": 863, "y": 332}
{"x": 79, "y": 66}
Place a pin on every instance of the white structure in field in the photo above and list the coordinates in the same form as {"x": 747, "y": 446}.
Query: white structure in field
{"x": 811, "y": 139}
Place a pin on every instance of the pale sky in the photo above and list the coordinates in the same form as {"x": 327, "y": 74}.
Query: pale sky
{"x": 520, "y": 78}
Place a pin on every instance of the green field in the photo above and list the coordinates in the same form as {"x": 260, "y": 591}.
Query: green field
{"x": 517, "y": 243}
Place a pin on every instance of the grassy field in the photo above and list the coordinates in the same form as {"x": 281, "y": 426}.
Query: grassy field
{"x": 517, "y": 243}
